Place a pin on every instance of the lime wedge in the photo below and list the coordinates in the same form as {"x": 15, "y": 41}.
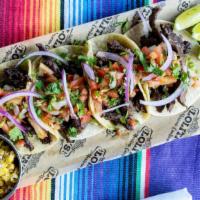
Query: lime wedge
{"x": 188, "y": 18}
{"x": 196, "y": 32}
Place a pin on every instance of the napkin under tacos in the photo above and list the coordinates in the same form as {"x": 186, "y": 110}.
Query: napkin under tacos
{"x": 15, "y": 120}
{"x": 171, "y": 90}
{"x": 114, "y": 87}
{"x": 64, "y": 106}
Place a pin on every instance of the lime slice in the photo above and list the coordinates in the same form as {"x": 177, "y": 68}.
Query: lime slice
{"x": 196, "y": 32}
{"x": 188, "y": 18}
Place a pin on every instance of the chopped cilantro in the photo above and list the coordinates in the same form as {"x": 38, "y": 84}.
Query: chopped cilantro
{"x": 81, "y": 108}
{"x": 185, "y": 78}
{"x": 97, "y": 93}
{"x": 125, "y": 25}
{"x": 90, "y": 60}
{"x": 121, "y": 91}
{"x": 53, "y": 88}
{"x": 15, "y": 134}
{"x": 38, "y": 111}
{"x": 74, "y": 96}
{"x": 39, "y": 85}
{"x": 113, "y": 102}
{"x": 176, "y": 69}
{"x": 72, "y": 131}
{"x": 148, "y": 68}
{"x": 123, "y": 119}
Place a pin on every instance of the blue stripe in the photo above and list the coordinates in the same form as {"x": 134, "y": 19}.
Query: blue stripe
{"x": 60, "y": 187}
{"x": 65, "y": 187}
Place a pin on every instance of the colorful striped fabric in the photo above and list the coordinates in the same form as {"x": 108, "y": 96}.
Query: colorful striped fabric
{"x": 133, "y": 177}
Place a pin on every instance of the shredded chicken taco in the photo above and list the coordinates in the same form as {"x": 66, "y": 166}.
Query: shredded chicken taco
{"x": 170, "y": 68}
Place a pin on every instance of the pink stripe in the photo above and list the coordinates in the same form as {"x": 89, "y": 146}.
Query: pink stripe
{"x": 147, "y": 171}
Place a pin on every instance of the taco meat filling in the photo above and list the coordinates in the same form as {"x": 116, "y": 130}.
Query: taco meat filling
{"x": 52, "y": 108}
{"x": 164, "y": 83}
{"x": 108, "y": 90}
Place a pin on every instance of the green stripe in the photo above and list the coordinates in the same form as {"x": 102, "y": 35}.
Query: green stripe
{"x": 138, "y": 175}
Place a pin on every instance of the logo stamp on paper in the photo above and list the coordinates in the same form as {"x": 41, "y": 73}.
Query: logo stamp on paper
{"x": 61, "y": 38}
{"x": 183, "y": 5}
{"x": 30, "y": 161}
{"x": 51, "y": 172}
{"x": 15, "y": 52}
{"x": 68, "y": 148}
{"x": 139, "y": 141}
{"x": 107, "y": 25}
{"x": 96, "y": 156}
{"x": 186, "y": 124}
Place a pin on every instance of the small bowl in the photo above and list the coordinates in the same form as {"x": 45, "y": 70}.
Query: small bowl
{"x": 12, "y": 147}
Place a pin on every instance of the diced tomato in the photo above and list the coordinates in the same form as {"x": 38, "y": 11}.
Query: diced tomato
{"x": 85, "y": 118}
{"x": 139, "y": 68}
{"x": 105, "y": 82}
{"x": 132, "y": 122}
{"x": 113, "y": 94}
{"x": 75, "y": 84}
{"x": 146, "y": 51}
{"x": 46, "y": 118}
{"x": 93, "y": 85}
{"x": 153, "y": 55}
{"x": 70, "y": 77}
{"x": 101, "y": 72}
{"x": 20, "y": 143}
{"x": 117, "y": 67}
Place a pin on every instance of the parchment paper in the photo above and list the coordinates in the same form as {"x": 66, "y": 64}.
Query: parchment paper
{"x": 65, "y": 157}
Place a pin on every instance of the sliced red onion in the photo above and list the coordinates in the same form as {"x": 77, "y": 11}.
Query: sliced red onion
{"x": 168, "y": 61}
{"x": 12, "y": 119}
{"x": 33, "y": 114}
{"x": 112, "y": 56}
{"x": 131, "y": 73}
{"x": 67, "y": 96}
{"x": 89, "y": 71}
{"x": 165, "y": 101}
{"x": 14, "y": 95}
{"x": 146, "y": 27}
{"x": 114, "y": 108}
{"x": 42, "y": 53}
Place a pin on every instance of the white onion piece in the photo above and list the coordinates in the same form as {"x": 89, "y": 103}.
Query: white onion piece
{"x": 89, "y": 71}
{"x": 12, "y": 119}
{"x": 67, "y": 96}
{"x": 168, "y": 61}
{"x": 42, "y": 53}
{"x": 14, "y": 95}
{"x": 16, "y": 110}
{"x": 112, "y": 56}
{"x": 114, "y": 108}
{"x": 165, "y": 101}
{"x": 146, "y": 27}
{"x": 58, "y": 105}
{"x": 33, "y": 114}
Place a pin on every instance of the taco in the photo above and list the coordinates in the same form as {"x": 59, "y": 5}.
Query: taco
{"x": 15, "y": 120}
{"x": 170, "y": 69}
{"x": 114, "y": 87}
{"x": 64, "y": 106}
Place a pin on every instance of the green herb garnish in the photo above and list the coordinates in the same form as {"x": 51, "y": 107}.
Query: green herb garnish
{"x": 72, "y": 131}
{"x": 15, "y": 134}
{"x": 39, "y": 85}
{"x": 90, "y": 60}
{"x": 113, "y": 102}
{"x": 176, "y": 69}
{"x": 53, "y": 88}
{"x": 185, "y": 78}
{"x": 74, "y": 96}
{"x": 81, "y": 108}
